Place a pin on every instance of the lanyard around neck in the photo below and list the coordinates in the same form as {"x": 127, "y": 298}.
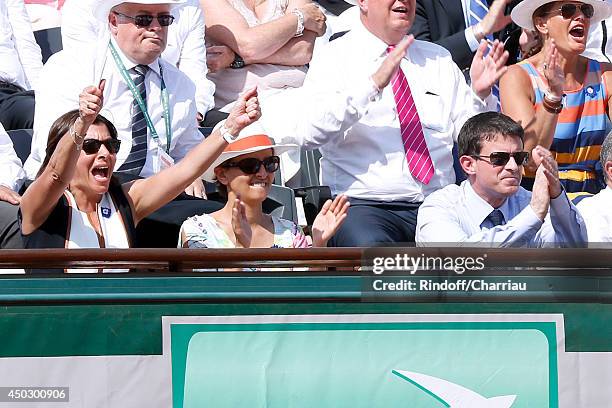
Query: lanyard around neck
{"x": 141, "y": 103}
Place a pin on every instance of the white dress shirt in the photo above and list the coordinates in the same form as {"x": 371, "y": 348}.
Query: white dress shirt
{"x": 597, "y": 214}
{"x": 456, "y": 214}
{"x": 185, "y": 47}
{"x": 11, "y": 172}
{"x": 20, "y": 56}
{"x": 68, "y": 72}
{"x": 357, "y": 133}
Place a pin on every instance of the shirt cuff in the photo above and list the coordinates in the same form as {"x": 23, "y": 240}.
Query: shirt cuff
{"x": 364, "y": 94}
{"x": 528, "y": 219}
{"x": 561, "y": 204}
{"x": 487, "y": 104}
{"x": 471, "y": 39}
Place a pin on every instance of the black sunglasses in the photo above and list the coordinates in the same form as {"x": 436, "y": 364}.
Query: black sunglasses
{"x": 92, "y": 146}
{"x": 568, "y": 10}
{"x": 252, "y": 165}
{"x": 502, "y": 158}
{"x": 145, "y": 20}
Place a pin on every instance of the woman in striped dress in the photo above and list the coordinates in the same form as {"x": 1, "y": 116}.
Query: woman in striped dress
{"x": 558, "y": 96}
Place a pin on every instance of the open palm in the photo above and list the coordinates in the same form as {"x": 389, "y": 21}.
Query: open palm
{"x": 329, "y": 219}
{"x": 240, "y": 225}
{"x": 485, "y": 71}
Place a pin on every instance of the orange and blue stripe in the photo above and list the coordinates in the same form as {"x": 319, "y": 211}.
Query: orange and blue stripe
{"x": 581, "y": 128}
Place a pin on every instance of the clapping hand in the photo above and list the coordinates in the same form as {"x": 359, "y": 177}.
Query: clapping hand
{"x": 391, "y": 64}
{"x": 90, "y": 103}
{"x": 240, "y": 225}
{"x": 546, "y": 184}
{"x": 543, "y": 158}
{"x": 329, "y": 219}
{"x": 246, "y": 110}
{"x": 552, "y": 71}
{"x": 485, "y": 71}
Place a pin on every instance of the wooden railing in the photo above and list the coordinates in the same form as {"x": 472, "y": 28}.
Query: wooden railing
{"x": 342, "y": 259}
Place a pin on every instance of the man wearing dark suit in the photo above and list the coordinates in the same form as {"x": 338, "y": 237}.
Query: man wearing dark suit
{"x": 444, "y": 22}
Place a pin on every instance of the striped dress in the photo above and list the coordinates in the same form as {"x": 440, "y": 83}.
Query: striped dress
{"x": 581, "y": 129}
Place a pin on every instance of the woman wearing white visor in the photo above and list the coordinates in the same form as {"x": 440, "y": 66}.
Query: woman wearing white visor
{"x": 560, "y": 97}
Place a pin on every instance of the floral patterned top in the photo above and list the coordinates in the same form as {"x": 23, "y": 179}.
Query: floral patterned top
{"x": 202, "y": 231}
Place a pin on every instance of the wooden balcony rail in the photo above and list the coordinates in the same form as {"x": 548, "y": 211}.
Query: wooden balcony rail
{"x": 342, "y": 259}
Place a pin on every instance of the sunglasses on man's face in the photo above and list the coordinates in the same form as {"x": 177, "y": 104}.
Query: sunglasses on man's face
{"x": 92, "y": 146}
{"x": 568, "y": 10}
{"x": 145, "y": 20}
{"x": 502, "y": 158}
{"x": 252, "y": 165}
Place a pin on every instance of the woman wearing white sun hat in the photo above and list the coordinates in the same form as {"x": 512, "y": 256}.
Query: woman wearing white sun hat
{"x": 245, "y": 172}
{"x": 560, "y": 97}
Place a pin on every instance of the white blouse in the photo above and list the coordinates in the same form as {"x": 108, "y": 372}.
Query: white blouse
{"x": 82, "y": 234}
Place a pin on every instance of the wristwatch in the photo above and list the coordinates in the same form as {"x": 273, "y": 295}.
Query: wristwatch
{"x": 238, "y": 62}
{"x": 226, "y": 134}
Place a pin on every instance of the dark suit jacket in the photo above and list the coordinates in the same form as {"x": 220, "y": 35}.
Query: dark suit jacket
{"x": 442, "y": 22}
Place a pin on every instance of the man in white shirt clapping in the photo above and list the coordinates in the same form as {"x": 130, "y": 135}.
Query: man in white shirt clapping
{"x": 386, "y": 147}
{"x": 490, "y": 207}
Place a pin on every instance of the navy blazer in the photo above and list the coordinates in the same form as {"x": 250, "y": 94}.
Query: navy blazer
{"x": 443, "y": 22}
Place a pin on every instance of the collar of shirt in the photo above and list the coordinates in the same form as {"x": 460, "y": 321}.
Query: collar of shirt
{"x": 129, "y": 64}
{"x": 372, "y": 46}
{"x": 479, "y": 208}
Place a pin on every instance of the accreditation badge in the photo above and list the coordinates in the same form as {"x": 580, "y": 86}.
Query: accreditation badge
{"x": 164, "y": 160}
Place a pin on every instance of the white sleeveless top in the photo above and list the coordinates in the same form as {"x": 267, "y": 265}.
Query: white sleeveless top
{"x": 83, "y": 235}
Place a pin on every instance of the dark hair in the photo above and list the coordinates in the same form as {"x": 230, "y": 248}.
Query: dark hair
{"x": 221, "y": 189}
{"x": 485, "y": 127}
{"x": 62, "y": 126}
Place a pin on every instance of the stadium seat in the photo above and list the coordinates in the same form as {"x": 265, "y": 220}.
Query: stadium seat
{"x": 313, "y": 195}
{"x": 22, "y": 141}
{"x": 49, "y": 41}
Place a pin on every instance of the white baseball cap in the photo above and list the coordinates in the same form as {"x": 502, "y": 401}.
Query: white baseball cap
{"x": 103, "y": 8}
{"x": 522, "y": 13}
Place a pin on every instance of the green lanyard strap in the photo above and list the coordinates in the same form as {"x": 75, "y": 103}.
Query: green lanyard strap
{"x": 141, "y": 103}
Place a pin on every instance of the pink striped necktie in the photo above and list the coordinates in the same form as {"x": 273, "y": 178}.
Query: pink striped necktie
{"x": 418, "y": 158}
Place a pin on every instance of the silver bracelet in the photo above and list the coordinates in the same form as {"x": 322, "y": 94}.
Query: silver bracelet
{"x": 300, "y": 22}
{"x": 76, "y": 138}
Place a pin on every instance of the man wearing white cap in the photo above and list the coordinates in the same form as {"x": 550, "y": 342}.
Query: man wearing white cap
{"x": 185, "y": 46}
{"x": 148, "y": 99}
